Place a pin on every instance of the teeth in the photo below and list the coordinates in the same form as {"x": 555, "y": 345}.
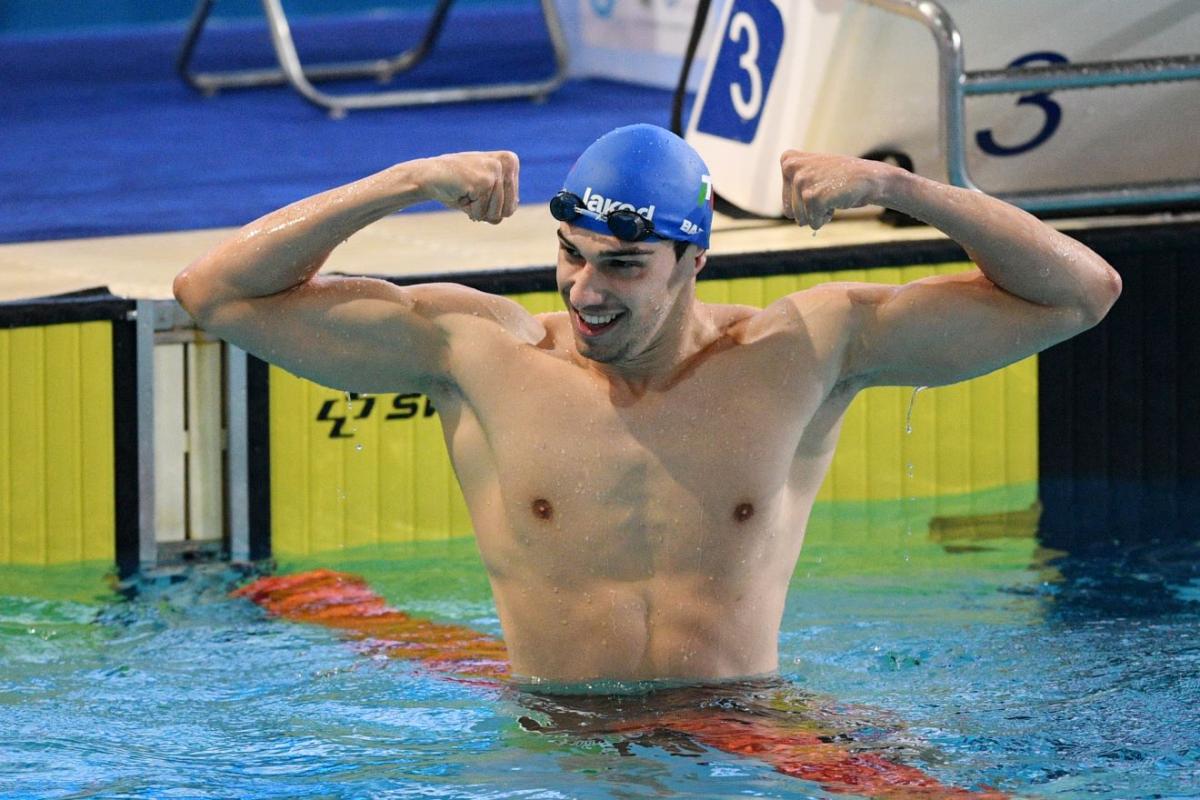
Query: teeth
{"x": 604, "y": 320}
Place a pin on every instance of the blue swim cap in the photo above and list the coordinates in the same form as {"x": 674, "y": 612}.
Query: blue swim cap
{"x": 650, "y": 170}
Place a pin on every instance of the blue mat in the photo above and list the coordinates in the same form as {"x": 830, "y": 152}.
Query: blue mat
{"x": 98, "y": 136}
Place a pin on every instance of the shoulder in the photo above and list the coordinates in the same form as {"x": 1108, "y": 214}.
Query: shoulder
{"x": 557, "y": 327}
{"x": 828, "y": 310}
{"x": 462, "y": 312}
{"x": 815, "y": 329}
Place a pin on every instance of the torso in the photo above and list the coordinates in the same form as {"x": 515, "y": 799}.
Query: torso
{"x": 649, "y": 537}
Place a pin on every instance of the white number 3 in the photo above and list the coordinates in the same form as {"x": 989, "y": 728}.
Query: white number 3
{"x": 746, "y": 108}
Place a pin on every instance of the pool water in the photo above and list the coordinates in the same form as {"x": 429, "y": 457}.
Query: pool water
{"x": 981, "y": 658}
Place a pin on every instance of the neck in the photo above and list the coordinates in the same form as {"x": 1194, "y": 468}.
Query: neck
{"x": 686, "y": 332}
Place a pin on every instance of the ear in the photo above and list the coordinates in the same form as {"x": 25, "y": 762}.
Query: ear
{"x": 701, "y": 260}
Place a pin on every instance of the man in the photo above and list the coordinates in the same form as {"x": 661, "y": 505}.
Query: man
{"x": 630, "y": 533}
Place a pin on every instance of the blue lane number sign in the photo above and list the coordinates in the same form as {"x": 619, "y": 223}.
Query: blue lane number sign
{"x": 741, "y": 78}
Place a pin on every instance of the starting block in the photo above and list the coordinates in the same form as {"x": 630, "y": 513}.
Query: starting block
{"x": 1051, "y": 104}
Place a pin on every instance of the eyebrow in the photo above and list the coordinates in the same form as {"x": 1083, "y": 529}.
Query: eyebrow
{"x": 636, "y": 251}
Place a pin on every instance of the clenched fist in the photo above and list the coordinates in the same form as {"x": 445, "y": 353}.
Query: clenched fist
{"x": 483, "y": 185}
{"x": 815, "y": 185}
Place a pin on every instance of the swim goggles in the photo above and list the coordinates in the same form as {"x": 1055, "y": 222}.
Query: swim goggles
{"x": 626, "y": 225}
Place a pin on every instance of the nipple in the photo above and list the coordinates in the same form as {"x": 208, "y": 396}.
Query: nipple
{"x": 542, "y": 509}
{"x": 743, "y": 512}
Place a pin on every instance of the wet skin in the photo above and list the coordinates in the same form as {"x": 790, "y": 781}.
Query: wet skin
{"x": 640, "y": 514}
{"x": 639, "y": 483}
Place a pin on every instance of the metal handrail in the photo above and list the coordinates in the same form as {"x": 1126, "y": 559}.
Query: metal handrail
{"x": 1083, "y": 75}
{"x": 955, "y": 84}
{"x": 292, "y": 71}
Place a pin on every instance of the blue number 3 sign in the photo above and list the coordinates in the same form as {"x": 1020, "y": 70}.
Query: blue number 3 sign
{"x": 1050, "y": 122}
{"x": 741, "y": 78}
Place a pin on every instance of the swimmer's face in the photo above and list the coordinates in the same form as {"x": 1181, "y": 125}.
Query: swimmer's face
{"x": 620, "y": 296}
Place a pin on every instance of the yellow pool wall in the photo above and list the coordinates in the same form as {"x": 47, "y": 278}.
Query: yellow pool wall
{"x": 56, "y": 444}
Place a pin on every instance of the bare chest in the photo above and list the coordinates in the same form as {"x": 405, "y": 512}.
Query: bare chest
{"x": 693, "y": 479}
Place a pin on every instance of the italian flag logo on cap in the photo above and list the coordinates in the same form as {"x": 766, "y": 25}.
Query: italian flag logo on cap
{"x": 705, "y": 197}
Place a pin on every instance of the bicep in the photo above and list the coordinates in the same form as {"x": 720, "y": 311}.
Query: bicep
{"x": 944, "y": 329}
{"x": 356, "y": 334}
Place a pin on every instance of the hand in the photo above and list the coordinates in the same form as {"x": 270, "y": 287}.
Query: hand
{"x": 483, "y": 185}
{"x": 815, "y": 185}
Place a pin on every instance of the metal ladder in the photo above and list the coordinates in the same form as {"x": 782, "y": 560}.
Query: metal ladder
{"x": 291, "y": 71}
{"x": 956, "y": 84}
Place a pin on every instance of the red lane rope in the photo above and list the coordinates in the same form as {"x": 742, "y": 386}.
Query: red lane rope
{"x": 345, "y": 602}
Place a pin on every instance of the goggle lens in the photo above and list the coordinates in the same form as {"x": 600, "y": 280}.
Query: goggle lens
{"x": 563, "y": 206}
{"x": 629, "y": 226}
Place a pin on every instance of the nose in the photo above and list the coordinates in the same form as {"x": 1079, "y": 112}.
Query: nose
{"x": 587, "y": 288}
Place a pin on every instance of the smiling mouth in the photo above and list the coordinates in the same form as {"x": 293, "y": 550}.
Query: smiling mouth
{"x": 595, "y": 324}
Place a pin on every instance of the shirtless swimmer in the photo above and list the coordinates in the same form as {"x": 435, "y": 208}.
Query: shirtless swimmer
{"x": 629, "y": 531}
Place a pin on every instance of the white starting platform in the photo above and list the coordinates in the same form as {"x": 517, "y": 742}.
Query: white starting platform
{"x": 1055, "y": 105}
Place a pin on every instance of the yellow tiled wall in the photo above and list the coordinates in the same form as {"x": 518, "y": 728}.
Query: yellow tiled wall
{"x": 56, "y": 444}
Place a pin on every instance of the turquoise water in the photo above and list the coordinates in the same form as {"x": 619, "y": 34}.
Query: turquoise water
{"x": 976, "y": 655}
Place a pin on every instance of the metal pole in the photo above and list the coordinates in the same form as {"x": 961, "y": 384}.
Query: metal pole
{"x": 1084, "y": 75}
{"x": 951, "y": 79}
{"x": 147, "y": 543}
{"x": 237, "y": 490}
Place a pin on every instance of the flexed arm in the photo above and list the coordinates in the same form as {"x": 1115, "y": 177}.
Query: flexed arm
{"x": 1033, "y": 287}
{"x": 260, "y": 290}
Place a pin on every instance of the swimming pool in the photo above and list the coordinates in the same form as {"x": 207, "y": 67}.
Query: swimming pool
{"x": 965, "y": 650}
